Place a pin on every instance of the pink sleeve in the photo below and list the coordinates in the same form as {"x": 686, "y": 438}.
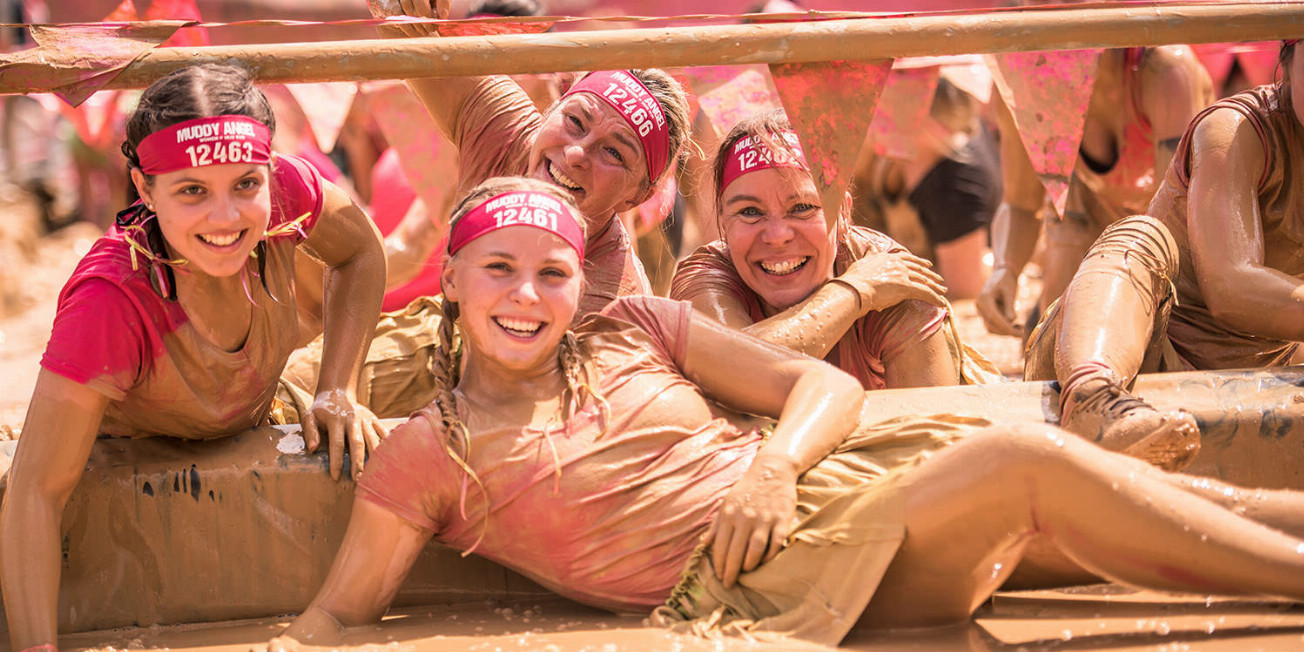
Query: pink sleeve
{"x": 889, "y": 332}
{"x": 665, "y": 321}
{"x": 494, "y": 132}
{"x": 404, "y": 472}
{"x": 297, "y": 190}
{"x": 709, "y": 270}
{"x": 100, "y": 339}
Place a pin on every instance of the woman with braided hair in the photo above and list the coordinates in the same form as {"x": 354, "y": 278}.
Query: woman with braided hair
{"x": 615, "y": 464}
{"x": 179, "y": 321}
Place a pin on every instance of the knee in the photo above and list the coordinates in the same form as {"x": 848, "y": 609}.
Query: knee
{"x": 1143, "y": 239}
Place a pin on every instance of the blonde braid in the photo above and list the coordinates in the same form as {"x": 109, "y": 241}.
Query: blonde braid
{"x": 570, "y": 357}
{"x": 447, "y": 358}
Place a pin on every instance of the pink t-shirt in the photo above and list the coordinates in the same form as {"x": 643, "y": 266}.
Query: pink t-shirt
{"x": 872, "y": 341}
{"x": 114, "y": 333}
{"x": 633, "y": 499}
{"x": 495, "y": 130}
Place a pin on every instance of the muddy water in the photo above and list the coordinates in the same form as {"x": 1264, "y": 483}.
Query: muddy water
{"x": 1102, "y": 617}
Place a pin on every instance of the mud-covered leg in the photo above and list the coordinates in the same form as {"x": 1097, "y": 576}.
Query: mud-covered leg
{"x": 972, "y": 510}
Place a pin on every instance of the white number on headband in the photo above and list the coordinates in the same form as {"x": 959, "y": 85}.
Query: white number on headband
{"x": 538, "y": 217}
{"x": 233, "y": 152}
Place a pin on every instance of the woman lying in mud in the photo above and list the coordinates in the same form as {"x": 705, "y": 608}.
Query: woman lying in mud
{"x": 179, "y": 321}
{"x": 848, "y": 294}
{"x": 613, "y": 464}
{"x": 1209, "y": 280}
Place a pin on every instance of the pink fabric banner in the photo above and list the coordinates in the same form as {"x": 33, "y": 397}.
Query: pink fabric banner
{"x": 830, "y": 104}
{"x": 74, "y": 62}
{"x": 901, "y": 111}
{"x": 745, "y": 95}
{"x": 1048, "y": 94}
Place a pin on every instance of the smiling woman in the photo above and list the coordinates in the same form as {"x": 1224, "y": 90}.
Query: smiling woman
{"x": 847, "y": 294}
{"x": 179, "y": 321}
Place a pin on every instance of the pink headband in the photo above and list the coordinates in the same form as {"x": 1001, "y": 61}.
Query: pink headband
{"x": 1290, "y": 41}
{"x": 638, "y": 107}
{"x": 518, "y": 208}
{"x": 205, "y": 141}
{"x": 750, "y": 154}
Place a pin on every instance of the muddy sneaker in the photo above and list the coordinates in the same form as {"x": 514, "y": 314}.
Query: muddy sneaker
{"x": 1101, "y": 411}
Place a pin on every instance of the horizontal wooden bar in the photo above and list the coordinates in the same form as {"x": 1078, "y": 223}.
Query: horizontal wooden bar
{"x": 860, "y": 39}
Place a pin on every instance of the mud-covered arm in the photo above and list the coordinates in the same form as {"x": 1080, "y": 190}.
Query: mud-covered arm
{"x": 1015, "y": 229}
{"x": 1226, "y": 232}
{"x": 378, "y": 551}
{"x": 410, "y": 244}
{"x": 61, "y": 425}
{"x": 928, "y": 364}
{"x": 347, "y": 242}
{"x": 817, "y": 406}
{"x": 1174, "y": 88}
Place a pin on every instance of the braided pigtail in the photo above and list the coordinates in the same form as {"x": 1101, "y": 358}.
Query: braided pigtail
{"x": 578, "y": 377}
{"x": 446, "y": 367}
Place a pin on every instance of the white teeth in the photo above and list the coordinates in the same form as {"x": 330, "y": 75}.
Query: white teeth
{"x": 785, "y": 267}
{"x": 564, "y": 180}
{"x": 221, "y": 240}
{"x": 519, "y": 325}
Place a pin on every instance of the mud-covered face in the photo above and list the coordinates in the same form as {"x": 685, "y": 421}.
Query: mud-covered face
{"x": 777, "y": 236}
{"x": 212, "y": 216}
{"x": 517, "y": 289}
{"x": 588, "y": 149}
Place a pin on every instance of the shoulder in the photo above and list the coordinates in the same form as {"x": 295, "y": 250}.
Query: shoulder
{"x": 707, "y": 266}
{"x": 298, "y": 189}
{"x": 862, "y": 241}
{"x": 1171, "y": 74}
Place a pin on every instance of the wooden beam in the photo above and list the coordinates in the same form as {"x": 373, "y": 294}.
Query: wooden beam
{"x": 864, "y": 38}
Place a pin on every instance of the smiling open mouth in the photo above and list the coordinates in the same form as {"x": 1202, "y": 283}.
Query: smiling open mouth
{"x": 785, "y": 267}
{"x": 224, "y": 240}
{"x": 519, "y": 327}
{"x": 563, "y": 180}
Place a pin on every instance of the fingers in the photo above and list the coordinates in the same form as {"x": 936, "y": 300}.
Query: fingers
{"x": 335, "y": 435}
{"x": 997, "y": 313}
{"x": 730, "y": 563}
{"x": 743, "y": 542}
{"x": 308, "y": 428}
{"x": 353, "y": 432}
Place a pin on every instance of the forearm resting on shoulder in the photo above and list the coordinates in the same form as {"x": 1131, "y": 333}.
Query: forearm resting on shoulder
{"x": 816, "y": 324}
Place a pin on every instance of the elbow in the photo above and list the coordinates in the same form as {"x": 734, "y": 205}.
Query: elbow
{"x": 840, "y": 388}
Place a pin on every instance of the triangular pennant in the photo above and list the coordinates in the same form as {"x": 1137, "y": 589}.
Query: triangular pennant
{"x": 75, "y": 61}
{"x": 428, "y": 160}
{"x": 745, "y": 95}
{"x": 829, "y": 104}
{"x": 1048, "y": 93}
{"x": 491, "y": 27}
{"x": 1217, "y": 59}
{"x": 325, "y": 105}
{"x": 123, "y": 13}
{"x": 179, "y": 10}
{"x": 901, "y": 111}
{"x": 972, "y": 77}
{"x": 1259, "y": 63}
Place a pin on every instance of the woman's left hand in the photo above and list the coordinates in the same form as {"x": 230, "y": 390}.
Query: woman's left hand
{"x": 343, "y": 421}
{"x": 754, "y": 520}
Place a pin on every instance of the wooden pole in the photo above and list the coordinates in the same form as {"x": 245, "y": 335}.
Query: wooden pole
{"x": 865, "y": 38}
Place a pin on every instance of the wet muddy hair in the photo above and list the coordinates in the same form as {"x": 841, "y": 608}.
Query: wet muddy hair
{"x": 1284, "y": 57}
{"x": 447, "y": 358}
{"x": 202, "y": 91}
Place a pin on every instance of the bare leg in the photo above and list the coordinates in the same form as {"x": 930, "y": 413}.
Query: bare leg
{"x": 1127, "y": 276}
{"x": 973, "y": 509}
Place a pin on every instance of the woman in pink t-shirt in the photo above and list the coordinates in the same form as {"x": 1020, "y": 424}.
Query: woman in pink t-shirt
{"x": 782, "y": 272}
{"x": 615, "y": 463}
{"x": 178, "y": 322}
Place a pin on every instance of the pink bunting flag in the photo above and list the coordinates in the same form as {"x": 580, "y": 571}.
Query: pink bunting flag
{"x": 1048, "y": 94}
{"x": 747, "y": 94}
{"x": 179, "y": 10}
{"x": 902, "y": 109}
{"x": 427, "y": 159}
{"x": 325, "y": 105}
{"x": 1259, "y": 61}
{"x": 75, "y": 61}
{"x": 830, "y": 104}
{"x": 1217, "y": 59}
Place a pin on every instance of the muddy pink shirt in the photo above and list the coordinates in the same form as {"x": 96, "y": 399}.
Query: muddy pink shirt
{"x": 495, "y": 130}
{"x": 872, "y": 341}
{"x": 115, "y": 334}
{"x": 633, "y": 499}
